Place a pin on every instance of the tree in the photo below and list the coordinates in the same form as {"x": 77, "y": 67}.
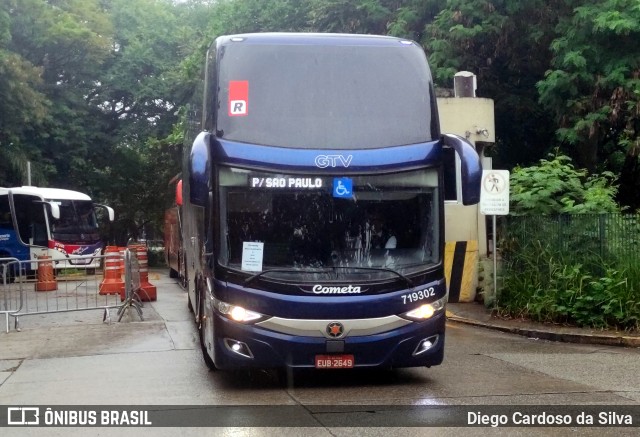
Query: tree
{"x": 22, "y": 108}
{"x": 57, "y": 47}
{"x": 593, "y": 89}
{"x": 408, "y": 18}
{"x": 135, "y": 184}
{"x": 23, "y": 105}
{"x": 348, "y": 16}
{"x": 506, "y": 44}
{"x": 555, "y": 186}
{"x": 143, "y": 86}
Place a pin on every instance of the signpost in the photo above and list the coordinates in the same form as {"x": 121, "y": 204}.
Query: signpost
{"x": 494, "y": 200}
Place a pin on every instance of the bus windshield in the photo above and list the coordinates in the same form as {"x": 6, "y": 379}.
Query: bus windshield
{"x": 77, "y": 222}
{"x": 383, "y": 226}
{"x": 316, "y": 96}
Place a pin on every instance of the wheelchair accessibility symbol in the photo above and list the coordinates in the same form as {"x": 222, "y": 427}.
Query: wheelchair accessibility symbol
{"x": 342, "y": 187}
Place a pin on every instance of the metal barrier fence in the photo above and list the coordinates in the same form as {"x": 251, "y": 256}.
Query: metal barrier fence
{"x": 67, "y": 290}
{"x": 132, "y": 284}
{"x": 611, "y": 238}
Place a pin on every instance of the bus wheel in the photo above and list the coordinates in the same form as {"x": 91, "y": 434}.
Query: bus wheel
{"x": 203, "y": 325}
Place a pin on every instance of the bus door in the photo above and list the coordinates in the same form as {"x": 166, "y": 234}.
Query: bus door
{"x": 31, "y": 220}
{"x": 10, "y": 245}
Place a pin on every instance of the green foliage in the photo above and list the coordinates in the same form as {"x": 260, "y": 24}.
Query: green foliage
{"x": 348, "y": 16}
{"x": 23, "y": 107}
{"x": 52, "y": 64}
{"x": 89, "y": 89}
{"x": 142, "y": 83}
{"x": 555, "y": 186}
{"x": 506, "y": 44}
{"x": 592, "y": 88}
{"x": 564, "y": 283}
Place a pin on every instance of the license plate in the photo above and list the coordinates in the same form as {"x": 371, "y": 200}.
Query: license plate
{"x": 334, "y": 361}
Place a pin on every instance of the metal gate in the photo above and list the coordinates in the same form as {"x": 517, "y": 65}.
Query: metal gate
{"x": 45, "y": 290}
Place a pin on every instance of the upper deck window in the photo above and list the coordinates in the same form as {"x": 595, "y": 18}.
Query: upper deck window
{"x": 324, "y": 96}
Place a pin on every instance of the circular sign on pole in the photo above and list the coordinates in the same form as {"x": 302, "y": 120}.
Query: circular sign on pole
{"x": 494, "y": 193}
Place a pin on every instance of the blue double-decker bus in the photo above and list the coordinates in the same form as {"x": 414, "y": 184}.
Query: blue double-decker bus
{"x": 313, "y": 204}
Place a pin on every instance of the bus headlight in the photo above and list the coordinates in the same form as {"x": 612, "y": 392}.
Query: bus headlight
{"x": 427, "y": 310}
{"x": 237, "y": 313}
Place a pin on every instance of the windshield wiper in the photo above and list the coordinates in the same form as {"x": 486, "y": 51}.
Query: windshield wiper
{"x": 380, "y": 269}
{"x": 250, "y": 279}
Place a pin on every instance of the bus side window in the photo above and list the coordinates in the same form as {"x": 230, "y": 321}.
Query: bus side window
{"x": 21, "y": 206}
{"x": 6, "y": 224}
{"x": 31, "y": 220}
{"x": 40, "y": 237}
{"x": 39, "y": 224}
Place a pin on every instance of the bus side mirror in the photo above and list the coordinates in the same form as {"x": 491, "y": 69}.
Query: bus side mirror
{"x": 200, "y": 170}
{"x": 471, "y": 169}
{"x": 109, "y": 210}
{"x": 53, "y": 207}
{"x": 111, "y": 213}
{"x": 55, "y": 210}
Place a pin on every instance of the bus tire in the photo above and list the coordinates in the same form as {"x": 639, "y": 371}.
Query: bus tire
{"x": 201, "y": 329}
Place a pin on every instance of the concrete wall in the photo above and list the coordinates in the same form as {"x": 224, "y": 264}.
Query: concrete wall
{"x": 473, "y": 119}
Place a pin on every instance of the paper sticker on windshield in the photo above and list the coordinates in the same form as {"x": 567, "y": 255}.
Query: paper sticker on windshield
{"x": 252, "y": 256}
{"x": 342, "y": 187}
{"x": 238, "y": 98}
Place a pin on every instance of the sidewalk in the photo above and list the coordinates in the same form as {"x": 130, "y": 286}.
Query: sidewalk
{"x": 476, "y": 314}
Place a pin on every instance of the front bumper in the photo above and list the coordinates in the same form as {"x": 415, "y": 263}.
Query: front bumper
{"x": 401, "y": 346}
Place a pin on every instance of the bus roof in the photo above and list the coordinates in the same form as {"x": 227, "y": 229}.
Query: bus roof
{"x": 284, "y": 38}
{"x": 319, "y": 91}
{"x": 46, "y": 193}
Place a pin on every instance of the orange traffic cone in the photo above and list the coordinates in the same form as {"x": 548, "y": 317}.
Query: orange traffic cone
{"x": 121, "y": 251}
{"x": 121, "y": 268}
{"x": 46, "y": 278}
{"x": 112, "y": 282}
{"x": 149, "y": 291}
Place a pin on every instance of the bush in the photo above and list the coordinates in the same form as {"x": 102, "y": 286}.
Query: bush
{"x": 566, "y": 257}
{"x": 555, "y": 186}
{"x": 562, "y": 269}
{"x": 156, "y": 259}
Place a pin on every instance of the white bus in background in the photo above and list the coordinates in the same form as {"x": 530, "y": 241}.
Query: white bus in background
{"x": 59, "y": 223}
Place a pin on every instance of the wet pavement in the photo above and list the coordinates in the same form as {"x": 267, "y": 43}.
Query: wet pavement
{"x": 76, "y": 358}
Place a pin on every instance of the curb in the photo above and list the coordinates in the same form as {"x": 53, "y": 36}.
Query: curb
{"x": 546, "y": 334}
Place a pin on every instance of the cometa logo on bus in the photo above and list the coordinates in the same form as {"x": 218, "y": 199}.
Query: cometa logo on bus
{"x": 348, "y": 289}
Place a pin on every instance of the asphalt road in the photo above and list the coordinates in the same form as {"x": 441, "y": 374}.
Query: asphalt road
{"x": 77, "y": 359}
